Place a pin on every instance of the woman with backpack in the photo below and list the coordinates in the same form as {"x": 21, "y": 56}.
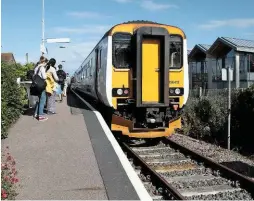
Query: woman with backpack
{"x": 40, "y": 71}
{"x": 52, "y": 79}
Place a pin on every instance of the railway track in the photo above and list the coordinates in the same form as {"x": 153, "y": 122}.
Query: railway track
{"x": 170, "y": 171}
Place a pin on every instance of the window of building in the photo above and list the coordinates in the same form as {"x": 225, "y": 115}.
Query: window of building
{"x": 121, "y": 50}
{"x": 175, "y": 51}
{"x": 216, "y": 69}
{"x": 251, "y": 63}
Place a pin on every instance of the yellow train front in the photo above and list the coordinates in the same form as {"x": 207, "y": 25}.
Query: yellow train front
{"x": 146, "y": 78}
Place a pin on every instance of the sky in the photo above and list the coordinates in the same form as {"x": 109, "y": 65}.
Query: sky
{"x": 86, "y": 21}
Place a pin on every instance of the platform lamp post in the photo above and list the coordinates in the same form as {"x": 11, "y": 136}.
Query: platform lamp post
{"x": 49, "y": 40}
{"x": 26, "y": 58}
{"x": 43, "y": 30}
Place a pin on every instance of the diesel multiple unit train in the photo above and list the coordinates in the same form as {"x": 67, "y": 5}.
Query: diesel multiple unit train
{"x": 139, "y": 69}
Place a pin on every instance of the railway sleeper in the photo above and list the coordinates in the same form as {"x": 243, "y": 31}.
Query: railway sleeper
{"x": 167, "y": 161}
{"x": 151, "y": 149}
{"x": 208, "y": 190}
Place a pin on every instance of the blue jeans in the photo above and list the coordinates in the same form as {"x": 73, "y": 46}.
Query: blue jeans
{"x": 42, "y": 102}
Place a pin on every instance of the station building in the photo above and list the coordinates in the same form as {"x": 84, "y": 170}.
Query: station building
{"x": 206, "y": 61}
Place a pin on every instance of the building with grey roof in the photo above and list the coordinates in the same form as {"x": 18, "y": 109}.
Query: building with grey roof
{"x": 206, "y": 62}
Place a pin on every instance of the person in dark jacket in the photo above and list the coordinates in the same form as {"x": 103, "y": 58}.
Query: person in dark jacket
{"x": 62, "y": 76}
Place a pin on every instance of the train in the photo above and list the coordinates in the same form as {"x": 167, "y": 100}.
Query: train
{"x": 139, "y": 70}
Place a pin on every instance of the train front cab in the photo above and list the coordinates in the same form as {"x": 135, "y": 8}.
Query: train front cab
{"x": 148, "y": 82}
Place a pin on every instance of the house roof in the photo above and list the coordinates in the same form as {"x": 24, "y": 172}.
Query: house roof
{"x": 223, "y": 45}
{"x": 8, "y": 58}
{"x": 198, "y": 52}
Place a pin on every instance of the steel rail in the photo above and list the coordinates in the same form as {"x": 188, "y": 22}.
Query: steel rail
{"x": 245, "y": 182}
{"x": 168, "y": 190}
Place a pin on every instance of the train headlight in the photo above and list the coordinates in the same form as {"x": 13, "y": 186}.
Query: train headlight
{"x": 171, "y": 91}
{"x": 119, "y": 91}
{"x": 177, "y": 91}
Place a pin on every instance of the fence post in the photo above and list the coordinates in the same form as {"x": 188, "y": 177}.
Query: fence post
{"x": 229, "y": 104}
{"x": 200, "y": 92}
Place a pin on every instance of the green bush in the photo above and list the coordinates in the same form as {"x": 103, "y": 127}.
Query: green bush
{"x": 242, "y": 120}
{"x": 22, "y": 70}
{"x": 11, "y": 97}
{"x": 206, "y": 118}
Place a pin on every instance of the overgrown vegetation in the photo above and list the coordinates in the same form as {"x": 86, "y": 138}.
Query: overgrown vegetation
{"x": 13, "y": 96}
{"x": 206, "y": 118}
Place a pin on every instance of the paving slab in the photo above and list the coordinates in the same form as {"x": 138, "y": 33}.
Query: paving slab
{"x": 55, "y": 159}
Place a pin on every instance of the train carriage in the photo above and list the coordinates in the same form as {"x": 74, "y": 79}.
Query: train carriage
{"x": 140, "y": 70}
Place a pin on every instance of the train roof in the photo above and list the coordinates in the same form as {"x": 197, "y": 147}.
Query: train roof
{"x": 140, "y": 22}
{"x": 128, "y": 22}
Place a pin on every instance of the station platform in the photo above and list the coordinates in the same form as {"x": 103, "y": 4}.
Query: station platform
{"x": 70, "y": 157}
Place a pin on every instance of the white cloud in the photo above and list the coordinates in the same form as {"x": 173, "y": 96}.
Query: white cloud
{"x": 91, "y": 29}
{"x": 86, "y": 14}
{"x": 238, "y": 23}
{"x": 123, "y": 1}
{"x": 152, "y": 6}
{"x": 83, "y": 40}
{"x": 73, "y": 55}
{"x": 249, "y": 34}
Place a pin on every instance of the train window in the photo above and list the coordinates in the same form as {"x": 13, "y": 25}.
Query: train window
{"x": 99, "y": 59}
{"x": 121, "y": 50}
{"x": 175, "y": 51}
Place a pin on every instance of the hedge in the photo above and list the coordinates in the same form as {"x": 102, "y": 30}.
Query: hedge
{"x": 13, "y": 97}
{"x": 206, "y": 118}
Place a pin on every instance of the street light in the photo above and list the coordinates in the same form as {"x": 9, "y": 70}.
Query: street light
{"x": 49, "y": 40}
{"x": 63, "y": 61}
{"x": 43, "y": 30}
{"x": 62, "y": 47}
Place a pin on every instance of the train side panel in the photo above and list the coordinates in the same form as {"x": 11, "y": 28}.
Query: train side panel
{"x": 104, "y": 71}
{"x": 85, "y": 83}
{"x": 86, "y": 80}
{"x": 186, "y": 72}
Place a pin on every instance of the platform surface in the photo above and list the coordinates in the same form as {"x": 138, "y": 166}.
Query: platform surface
{"x": 67, "y": 157}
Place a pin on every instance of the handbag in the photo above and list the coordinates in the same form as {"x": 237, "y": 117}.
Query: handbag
{"x": 38, "y": 84}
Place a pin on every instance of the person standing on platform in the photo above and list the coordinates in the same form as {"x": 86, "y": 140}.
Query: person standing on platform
{"x": 62, "y": 76}
{"x": 40, "y": 70}
{"x": 52, "y": 79}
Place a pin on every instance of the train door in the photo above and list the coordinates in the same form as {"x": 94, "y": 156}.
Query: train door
{"x": 150, "y": 71}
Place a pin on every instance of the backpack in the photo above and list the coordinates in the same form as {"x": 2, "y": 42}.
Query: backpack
{"x": 38, "y": 84}
{"x": 61, "y": 76}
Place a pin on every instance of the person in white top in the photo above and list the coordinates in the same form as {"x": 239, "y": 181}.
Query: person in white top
{"x": 40, "y": 68}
